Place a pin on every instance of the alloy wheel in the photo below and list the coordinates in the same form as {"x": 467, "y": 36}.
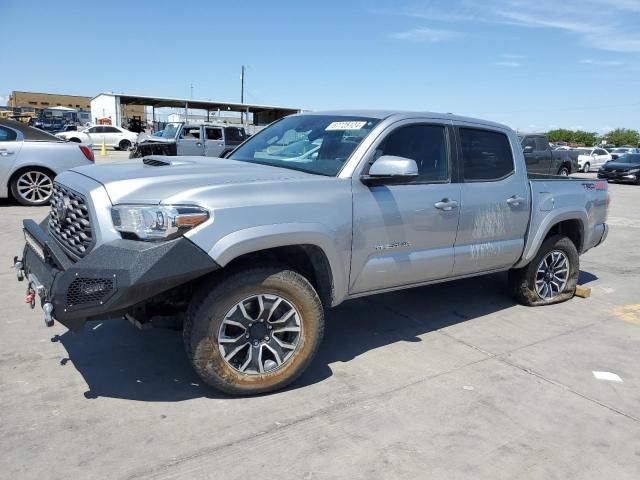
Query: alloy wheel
{"x": 35, "y": 186}
{"x": 260, "y": 334}
{"x": 552, "y": 275}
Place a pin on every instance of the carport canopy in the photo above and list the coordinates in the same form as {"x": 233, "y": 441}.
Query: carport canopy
{"x": 262, "y": 114}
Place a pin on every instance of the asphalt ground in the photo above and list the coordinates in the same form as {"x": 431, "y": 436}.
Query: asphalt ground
{"x": 451, "y": 381}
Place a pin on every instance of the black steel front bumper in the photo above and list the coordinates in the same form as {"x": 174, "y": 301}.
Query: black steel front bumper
{"x": 111, "y": 278}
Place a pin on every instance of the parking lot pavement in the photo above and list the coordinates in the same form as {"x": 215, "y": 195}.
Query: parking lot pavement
{"x": 447, "y": 381}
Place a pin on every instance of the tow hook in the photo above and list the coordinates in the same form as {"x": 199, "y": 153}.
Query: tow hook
{"x": 30, "y": 299}
{"x": 47, "y": 308}
{"x": 19, "y": 266}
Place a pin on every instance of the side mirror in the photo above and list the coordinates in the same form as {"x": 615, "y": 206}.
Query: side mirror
{"x": 389, "y": 169}
{"x": 528, "y": 149}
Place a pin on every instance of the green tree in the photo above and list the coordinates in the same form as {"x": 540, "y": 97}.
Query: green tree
{"x": 588, "y": 139}
{"x": 560, "y": 135}
{"x": 623, "y": 136}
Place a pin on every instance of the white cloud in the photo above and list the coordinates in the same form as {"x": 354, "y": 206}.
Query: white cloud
{"x": 600, "y": 24}
{"x": 602, "y": 63}
{"x": 424, "y": 34}
{"x": 509, "y": 64}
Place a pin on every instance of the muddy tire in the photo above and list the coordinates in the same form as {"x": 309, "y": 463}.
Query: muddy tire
{"x": 551, "y": 277}
{"x": 254, "y": 330}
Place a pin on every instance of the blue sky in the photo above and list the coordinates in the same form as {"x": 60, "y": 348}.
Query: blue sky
{"x": 532, "y": 64}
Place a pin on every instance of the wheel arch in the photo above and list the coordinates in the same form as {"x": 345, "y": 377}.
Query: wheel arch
{"x": 23, "y": 168}
{"x": 569, "y": 223}
{"x": 310, "y": 251}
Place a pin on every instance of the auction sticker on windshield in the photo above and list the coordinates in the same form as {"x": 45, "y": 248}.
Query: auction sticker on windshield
{"x": 345, "y": 125}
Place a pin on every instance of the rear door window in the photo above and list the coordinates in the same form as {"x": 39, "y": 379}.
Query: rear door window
{"x": 213, "y": 133}
{"x": 486, "y": 155}
{"x": 7, "y": 135}
{"x": 541, "y": 143}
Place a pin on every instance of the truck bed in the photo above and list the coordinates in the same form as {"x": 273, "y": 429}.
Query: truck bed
{"x": 555, "y": 198}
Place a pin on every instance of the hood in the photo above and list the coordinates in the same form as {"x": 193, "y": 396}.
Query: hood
{"x": 609, "y": 166}
{"x": 133, "y": 181}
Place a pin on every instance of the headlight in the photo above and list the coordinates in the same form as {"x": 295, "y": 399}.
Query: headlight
{"x": 156, "y": 222}
{"x": 634, "y": 170}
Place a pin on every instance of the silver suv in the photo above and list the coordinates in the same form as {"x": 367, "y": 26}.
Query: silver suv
{"x": 316, "y": 209}
{"x": 203, "y": 139}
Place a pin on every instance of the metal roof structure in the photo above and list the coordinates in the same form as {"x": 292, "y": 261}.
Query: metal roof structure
{"x": 209, "y": 105}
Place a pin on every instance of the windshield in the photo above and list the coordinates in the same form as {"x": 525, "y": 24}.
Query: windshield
{"x": 318, "y": 144}
{"x": 170, "y": 130}
{"x": 629, "y": 158}
{"x": 620, "y": 150}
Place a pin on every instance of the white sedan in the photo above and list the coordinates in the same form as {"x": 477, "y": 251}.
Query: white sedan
{"x": 116, "y": 137}
{"x": 31, "y": 158}
{"x": 589, "y": 158}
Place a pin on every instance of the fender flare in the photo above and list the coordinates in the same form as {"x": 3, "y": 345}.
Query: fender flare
{"x": 554, "y": 217}
{"x": 264, "y": 237}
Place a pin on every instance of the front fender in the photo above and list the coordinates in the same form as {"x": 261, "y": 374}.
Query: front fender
{"x": 264, "y": 237}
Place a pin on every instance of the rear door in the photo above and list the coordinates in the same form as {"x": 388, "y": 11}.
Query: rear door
{"x": 495, "y": 201}
{"x": 404, "y": 233}
{"x": 112, "y": 135}
{"x": 529, "y": 150}
{"x": 214, "y": 141}
{"x": 544, "y": 155}
{"x": 602, "y": 157}
{"x": 9, "y": 149}
{"x": 190, "y": 142}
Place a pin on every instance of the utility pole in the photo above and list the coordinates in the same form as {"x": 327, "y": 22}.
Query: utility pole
{"x": 191, "y": 91}
{"x": 241, "y": 91}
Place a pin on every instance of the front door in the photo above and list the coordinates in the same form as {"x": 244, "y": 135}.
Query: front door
{"x": 214, "y": 141}
{"x": 190, "y": 142}
{"x": 495, "y": 203}
{"x": 404, "y": 234}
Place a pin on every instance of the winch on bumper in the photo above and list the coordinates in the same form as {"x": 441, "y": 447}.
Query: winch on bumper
{"x": 111, "y": 278}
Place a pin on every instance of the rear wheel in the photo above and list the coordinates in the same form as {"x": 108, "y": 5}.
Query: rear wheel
{"x": 32, "y": 187}
{"x": 254, "y": 331}
{"x": 564, "y": 171}
{"x": 551, "y": 277}
{"x": 587, "y": 167}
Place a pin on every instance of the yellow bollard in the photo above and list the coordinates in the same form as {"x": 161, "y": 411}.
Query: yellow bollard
{"x": 103, "y": 150}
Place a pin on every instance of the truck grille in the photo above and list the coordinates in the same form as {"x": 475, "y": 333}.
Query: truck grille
{"x": 69, "y": 221}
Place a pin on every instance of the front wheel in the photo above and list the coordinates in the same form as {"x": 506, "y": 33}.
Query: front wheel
{"x": 254, "y": 331}
{"x": 124, "y": 145}
{"x": 551, "y": 277}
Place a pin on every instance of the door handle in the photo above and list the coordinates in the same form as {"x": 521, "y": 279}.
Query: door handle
{"x": 198, "y": 144}
{"x": 4, "y": 153}
{"x": 446, "y": 204}
{"x": 515, "y": 200}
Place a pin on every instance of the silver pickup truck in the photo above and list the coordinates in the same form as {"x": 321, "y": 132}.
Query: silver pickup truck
{"x": 316, "y": 209}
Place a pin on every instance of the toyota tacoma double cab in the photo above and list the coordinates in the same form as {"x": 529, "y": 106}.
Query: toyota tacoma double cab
{"x": 315, "y": 209}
